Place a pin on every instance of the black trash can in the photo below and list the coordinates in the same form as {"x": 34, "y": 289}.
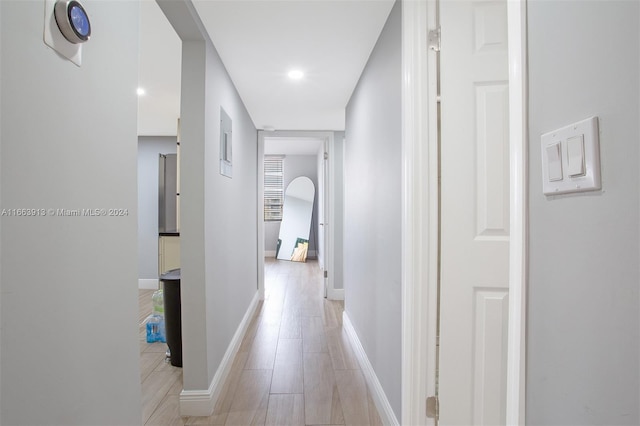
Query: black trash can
{"x": 172, "y": 314}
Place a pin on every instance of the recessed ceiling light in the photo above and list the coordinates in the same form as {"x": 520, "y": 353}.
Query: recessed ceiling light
{"x": 140, "y": 91}
{"x": 295, "y": 74}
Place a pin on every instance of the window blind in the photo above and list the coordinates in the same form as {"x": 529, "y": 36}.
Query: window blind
{"x": 273, "y": 190}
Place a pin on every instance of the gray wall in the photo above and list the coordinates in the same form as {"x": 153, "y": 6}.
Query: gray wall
{"x": 271, "y": 232}
{"x": 218, "y": 214}
{"x": 372, "y": 245}
{"x": 583, "y": 324}
{"x": 1, "y": 73}
{"x": 149, "y": 149}
{"x": 295, "y": 166}
{"x": 338, "y": 219}
{"x": 230, "y": 207}
{"x": 70, "y": 344}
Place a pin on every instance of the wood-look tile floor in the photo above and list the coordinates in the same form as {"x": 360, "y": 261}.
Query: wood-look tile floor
{"x": 161, "y": 382}
{"x": 295, "y": 365}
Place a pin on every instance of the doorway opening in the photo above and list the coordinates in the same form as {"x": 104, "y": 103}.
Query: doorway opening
{"x": 159, "y": 81}
{"x": 422, "y": 40}
{"x": 314, "y": 155}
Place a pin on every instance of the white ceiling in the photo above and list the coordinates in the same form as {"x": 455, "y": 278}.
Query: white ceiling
{"x": 259, "y": 41}
{"x": 159, "y": 73}
{"x": 292, "y": 145}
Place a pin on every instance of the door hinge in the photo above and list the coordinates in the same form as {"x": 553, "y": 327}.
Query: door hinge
{"x": 326, "y": 155}
{"x": 433, "y": 407}
{"x": 326, "y": 274}
{"x": 433, "y": 40}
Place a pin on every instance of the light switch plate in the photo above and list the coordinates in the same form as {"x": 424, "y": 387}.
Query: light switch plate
{"x": 590, "y": 180}
{"x": 226, "y": 144}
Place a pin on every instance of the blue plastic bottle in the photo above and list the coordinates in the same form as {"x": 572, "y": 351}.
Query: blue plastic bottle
{"x": 155, "y": 329}
{"x": 155, "y": 321}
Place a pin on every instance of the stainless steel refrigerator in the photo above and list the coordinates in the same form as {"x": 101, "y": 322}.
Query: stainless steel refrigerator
{"x": 167, "y": 193}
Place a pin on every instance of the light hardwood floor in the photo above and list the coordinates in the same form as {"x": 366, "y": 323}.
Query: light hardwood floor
{"x": 295, "y": 365}
{"x": 161, "y": 382}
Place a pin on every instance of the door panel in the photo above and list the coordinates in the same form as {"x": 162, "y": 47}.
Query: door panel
{"x": 327, "y": 218}
{"x": 490, "y": 355}
{"x": 492, "y": 111}
{"x": 475, "y": 212}
{"x": 321, "y": 214}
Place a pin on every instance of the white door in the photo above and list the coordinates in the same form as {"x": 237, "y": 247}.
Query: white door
{"x": 321, "y": 216}
{"x": 326, "y": 226}
{"x": 475, "y": 212}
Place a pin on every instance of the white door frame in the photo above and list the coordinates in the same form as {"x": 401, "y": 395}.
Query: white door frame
{"x": 328, "y": 137}
{"x": 260, "y": 214}
{"x": 519, "y": 216}
{"x": 420, "y": 206}
{"x": 419, "y": 212}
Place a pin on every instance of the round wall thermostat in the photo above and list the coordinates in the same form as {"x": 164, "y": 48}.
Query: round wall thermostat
{"x": 72, "y": 20}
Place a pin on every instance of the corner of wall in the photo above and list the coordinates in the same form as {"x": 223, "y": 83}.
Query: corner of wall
{"x": 202, "y": 402}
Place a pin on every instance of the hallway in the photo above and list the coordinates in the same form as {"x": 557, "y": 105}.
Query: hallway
{"x": 295, "y": 365}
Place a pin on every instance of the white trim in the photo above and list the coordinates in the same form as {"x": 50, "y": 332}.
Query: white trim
{"x": 198, "y": 403}
{"x": 312, "y": 254}
{"x": 377, "y": 393}
{"x": 148, "y": 284}
{"x": 419, "y": 212}
{"x": 202, "y": 402}
{"x": 330, "y": 216}
{"x": 260, "y": 213}
{"x": 518, "y": 147}
{"x": 335, "y": 294}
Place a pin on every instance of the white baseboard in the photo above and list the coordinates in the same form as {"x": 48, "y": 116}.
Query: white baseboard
{"x": 202, "y": 402}
{"x": 377, "y": 393}
{"x": 272, "y": 253}
{"x": 335, "y": 294}
{"x": 198, "y": 403}
{"x": 148, "y": 284}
